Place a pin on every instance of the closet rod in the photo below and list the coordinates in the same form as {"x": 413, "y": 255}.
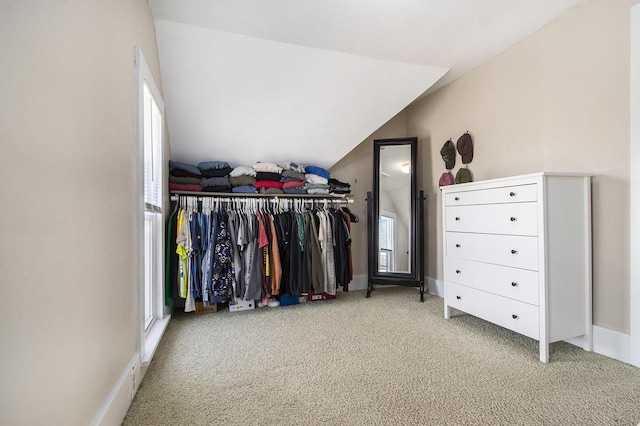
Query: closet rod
{"x": 271, "y": 198}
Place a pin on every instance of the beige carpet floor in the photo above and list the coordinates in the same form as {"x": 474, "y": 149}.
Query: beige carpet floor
{"x": 386, "y": 360}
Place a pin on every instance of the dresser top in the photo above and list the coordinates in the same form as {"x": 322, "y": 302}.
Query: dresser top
{"x": 513, "y": 180}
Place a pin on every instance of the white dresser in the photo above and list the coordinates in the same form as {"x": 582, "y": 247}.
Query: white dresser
{"x": 517, "y": 253}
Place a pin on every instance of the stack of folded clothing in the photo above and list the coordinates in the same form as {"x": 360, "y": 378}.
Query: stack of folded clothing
{"x": 216, "y": 184}
{"x": 211, "y": 169}
{"x": 184, "y": 177}
{"x": 262, "y": 177}
{"x": 215, "y": 176}
{"x": 317, "y": 180}
{"x": 293, "y": 178}
{"x": 288, "y": 165}
{"x": 337, "y": 187}
{"x": 243, "y": 180}
{"x": 268, "y": 177}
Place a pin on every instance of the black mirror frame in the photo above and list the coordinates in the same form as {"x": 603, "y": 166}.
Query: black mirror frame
{"x": 415, "y": 276}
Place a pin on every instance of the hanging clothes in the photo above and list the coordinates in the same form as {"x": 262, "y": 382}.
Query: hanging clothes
{"x": 328, "y": 258}
{"x": 342, "y": 244}
{"x": 171, "y": 270}
{"x": 251, "y": 249}
{"x": 315, "y": 254}
{"x": 181, "y": 251}
{"x": 223, "y": 277}
{"x": 276, "y": 275}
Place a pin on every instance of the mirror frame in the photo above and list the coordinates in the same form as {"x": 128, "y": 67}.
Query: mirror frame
{"x": 400, "y": 278}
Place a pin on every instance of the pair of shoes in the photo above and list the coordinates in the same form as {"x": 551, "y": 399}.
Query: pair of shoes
{"x": 273, "y": 303}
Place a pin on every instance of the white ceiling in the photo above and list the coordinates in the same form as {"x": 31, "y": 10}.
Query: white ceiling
{"x": 308, "y": 80}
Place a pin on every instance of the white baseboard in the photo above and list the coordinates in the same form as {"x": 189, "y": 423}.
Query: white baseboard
{"x": 119, "y": 400}
{"x": 435, "y": 287}
{"x": 359, "y": 282}
{"x": 609, "y": 343}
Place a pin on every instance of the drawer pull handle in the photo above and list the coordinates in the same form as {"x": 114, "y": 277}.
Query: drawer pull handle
{"x": 514, "y": 251}
{"x": 514, "y": 316}
{"x": 513, "y": 219}
{"x": 457, "y": 218}
{"x": 457, "y": 198}
{"x": 458, "y": 245}
{"x": 514, "y": 284}
{"x": 512, "y": 194}
{"x": 457, "y": 271}
{"x": 458, "y": 297}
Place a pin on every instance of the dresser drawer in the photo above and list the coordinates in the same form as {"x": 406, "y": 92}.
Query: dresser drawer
{"x": 514, "y": 283}
{"x": 507, "y": 250}
{"x": 510, "y": 218}
{"x": 512, "y": 314}
{"x": 503, "y": 194}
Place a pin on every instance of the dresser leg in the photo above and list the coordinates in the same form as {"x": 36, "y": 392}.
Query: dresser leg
{"x": 447, "y": 312}
{"x": 544, "y": 352}
{"x": 587, "y": 344}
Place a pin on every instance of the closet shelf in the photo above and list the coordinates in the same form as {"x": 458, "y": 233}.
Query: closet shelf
{"x": 345, "y": 198}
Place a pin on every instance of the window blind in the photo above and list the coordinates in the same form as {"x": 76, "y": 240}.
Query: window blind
{"x": 152, "y": 152}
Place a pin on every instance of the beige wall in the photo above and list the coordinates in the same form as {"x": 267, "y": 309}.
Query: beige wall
{"x": 557, "y": 101}
{"x": 68, "y": 172}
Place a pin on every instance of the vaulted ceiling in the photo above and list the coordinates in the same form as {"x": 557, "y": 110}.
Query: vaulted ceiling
{"x": 308, "y": 80}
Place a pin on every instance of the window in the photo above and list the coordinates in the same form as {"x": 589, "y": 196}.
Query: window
{"x": 152, "y": 131}
{"x": 150, "y": 119}
{"x": 386, "y": 257}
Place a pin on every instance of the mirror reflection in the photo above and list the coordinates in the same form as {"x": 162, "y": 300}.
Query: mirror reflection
{"x": 394, "y": 219}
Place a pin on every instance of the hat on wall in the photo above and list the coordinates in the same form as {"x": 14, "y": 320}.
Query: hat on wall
{"x": 448, "y": 152}
{"x": 464, "y": 176}
{"x": 465, "y": 148}
{"x": 446, "y": 179}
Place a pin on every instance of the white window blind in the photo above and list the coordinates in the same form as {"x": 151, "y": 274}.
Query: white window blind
{"x": 152, "y": 152}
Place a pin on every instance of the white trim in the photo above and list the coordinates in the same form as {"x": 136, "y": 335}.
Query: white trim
{"x": 141, "y": 65}
{"x": 119, "y": 399}
{"x": 359, "y": 282}
{"x": 634, "y": 191}
{"x": 146, "y": 342}
{"x": 435, "y": 287}
{"x": 152, "y": 339}
{"x": 588, "y": 269}
{"x": 607, "y": 342}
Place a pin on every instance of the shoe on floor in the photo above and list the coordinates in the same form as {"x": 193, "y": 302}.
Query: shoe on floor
{"x": 273, "y": 303}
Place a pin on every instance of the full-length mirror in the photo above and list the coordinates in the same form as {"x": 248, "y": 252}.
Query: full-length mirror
{"x": 395, "y": 235}
{"x": 395, "y": 208}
